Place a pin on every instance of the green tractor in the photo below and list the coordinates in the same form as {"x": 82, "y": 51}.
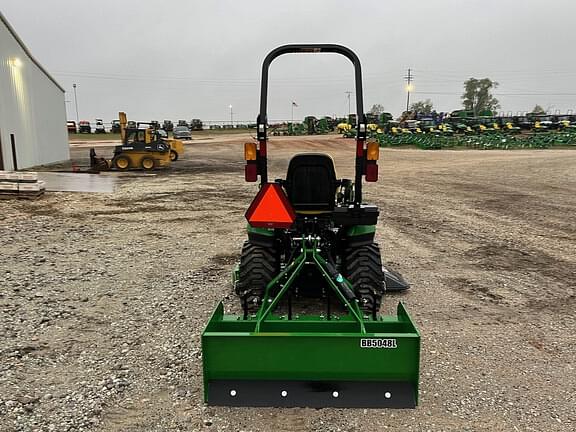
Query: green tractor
{"x": 311, "y": 123}
{"x": 310, "y": 283}
{"x": 323, "y": 126}
{"x": 508, "y": 125}
{"x": 296, "y": 129}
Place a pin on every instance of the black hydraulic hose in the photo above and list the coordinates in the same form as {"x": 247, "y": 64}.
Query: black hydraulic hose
{"x": 339, "y": 280}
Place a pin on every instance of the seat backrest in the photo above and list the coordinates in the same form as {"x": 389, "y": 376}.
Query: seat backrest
{"x": 311, "y": 182}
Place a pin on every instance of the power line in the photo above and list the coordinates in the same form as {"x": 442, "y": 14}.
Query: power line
{"x": 497, "y": 94}
{"x": 313, "y": 80}
{"x": 431, "y": 76}
{"x": 496, "y": 72}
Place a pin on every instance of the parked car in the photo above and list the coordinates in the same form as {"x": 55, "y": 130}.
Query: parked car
{"x": 84, "y": 126}
{"x": 196, "y": 124}
{"x": 115, "y": 128}
{"x": 71, "y": 126}
{"x": 181, "y": 132}
{"x": 168, "y": 126}
{"x": 99, "y": 128}
{"x": 183, "y": 123}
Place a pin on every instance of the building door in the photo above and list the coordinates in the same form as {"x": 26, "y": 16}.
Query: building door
{"x": 14, "y": 157}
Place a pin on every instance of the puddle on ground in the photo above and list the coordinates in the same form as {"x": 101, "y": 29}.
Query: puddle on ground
{"x": 76, "y": 182}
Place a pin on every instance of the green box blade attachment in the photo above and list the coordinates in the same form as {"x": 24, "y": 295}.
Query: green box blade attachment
{"x": 311, "y": 361}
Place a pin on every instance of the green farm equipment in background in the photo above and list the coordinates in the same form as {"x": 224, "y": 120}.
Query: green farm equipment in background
{"x": 310, "y": 123}
{"x": 323, "y": 126}
{"x": 310, "y": 283}
{"x": 497, "y": 140}
{"x": 296, "y": 129}
{"x": 316, "y": 126}
{"x": 566, "y": 125}
{"x": 346, "y": 129}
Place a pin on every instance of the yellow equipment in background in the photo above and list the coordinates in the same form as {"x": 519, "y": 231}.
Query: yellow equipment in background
{"x": 140, "y": 149}
{"x": 176, "y": 148}
{"x": 343, "y": 127}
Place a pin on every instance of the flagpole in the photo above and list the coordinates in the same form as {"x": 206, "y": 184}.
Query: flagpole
{"x": 292, "y": 108}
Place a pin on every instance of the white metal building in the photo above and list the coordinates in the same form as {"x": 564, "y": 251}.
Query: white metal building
{"x": 32, "y": 108}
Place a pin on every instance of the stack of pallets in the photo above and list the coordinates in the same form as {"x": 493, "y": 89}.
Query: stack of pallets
{"x": 24, "y": 185}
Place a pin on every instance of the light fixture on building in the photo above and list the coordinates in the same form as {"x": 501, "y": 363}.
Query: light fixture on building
{"x": 15, "y": 62}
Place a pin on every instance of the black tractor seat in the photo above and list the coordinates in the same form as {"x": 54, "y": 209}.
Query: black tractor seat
{"x": 311, "y": 183}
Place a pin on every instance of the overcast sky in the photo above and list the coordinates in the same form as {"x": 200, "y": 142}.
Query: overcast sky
{"x": 183, "y": 59}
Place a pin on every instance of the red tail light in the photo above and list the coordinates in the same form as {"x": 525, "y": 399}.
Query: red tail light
{"x": 371, "y": 172}
{"x": 251, "y": 172}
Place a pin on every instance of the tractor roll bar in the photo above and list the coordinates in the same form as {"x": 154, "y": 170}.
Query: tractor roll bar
{"x": 310, "y": 48}
{"x": 262, "y": 120}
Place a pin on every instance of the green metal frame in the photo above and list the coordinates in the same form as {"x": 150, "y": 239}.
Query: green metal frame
{"x": 357, "y": 230}
{"x": 268, "y": 232}
{"x": 267, "y": 347}
{"x": 309, "y": 253}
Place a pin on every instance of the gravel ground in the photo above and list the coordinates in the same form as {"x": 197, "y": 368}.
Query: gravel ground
{"x": 104, "y": 296}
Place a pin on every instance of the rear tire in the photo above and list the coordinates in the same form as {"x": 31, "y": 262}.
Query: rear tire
{"x": 173, "y": 155}
{"x": 258, "y": 266}
{"x": 147, "y": 164}
{"x": 363, "y": 268}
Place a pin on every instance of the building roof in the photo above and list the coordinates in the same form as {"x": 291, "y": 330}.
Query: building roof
{"x": 28, "y": 53}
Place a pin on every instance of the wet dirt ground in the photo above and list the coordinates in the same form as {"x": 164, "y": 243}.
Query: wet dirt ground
{"x": 73, "y": 182}
{"x": 104, "y": 296}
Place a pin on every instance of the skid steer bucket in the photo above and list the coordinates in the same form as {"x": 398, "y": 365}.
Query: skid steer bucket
{"x": 311, "y": 360}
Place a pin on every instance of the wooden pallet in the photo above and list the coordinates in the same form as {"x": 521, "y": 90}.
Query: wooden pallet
{"x": 32, "y": 195}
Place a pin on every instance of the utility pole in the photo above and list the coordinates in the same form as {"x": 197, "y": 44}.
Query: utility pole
{"x": 408, "y": 78}
{"x": 348, "y": 93}
{"x": 76, "y": 104}
{"x": 231, "y": 116}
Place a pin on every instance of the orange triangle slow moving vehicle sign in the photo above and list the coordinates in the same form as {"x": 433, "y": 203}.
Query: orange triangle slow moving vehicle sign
{"x": 271, "y": 208}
